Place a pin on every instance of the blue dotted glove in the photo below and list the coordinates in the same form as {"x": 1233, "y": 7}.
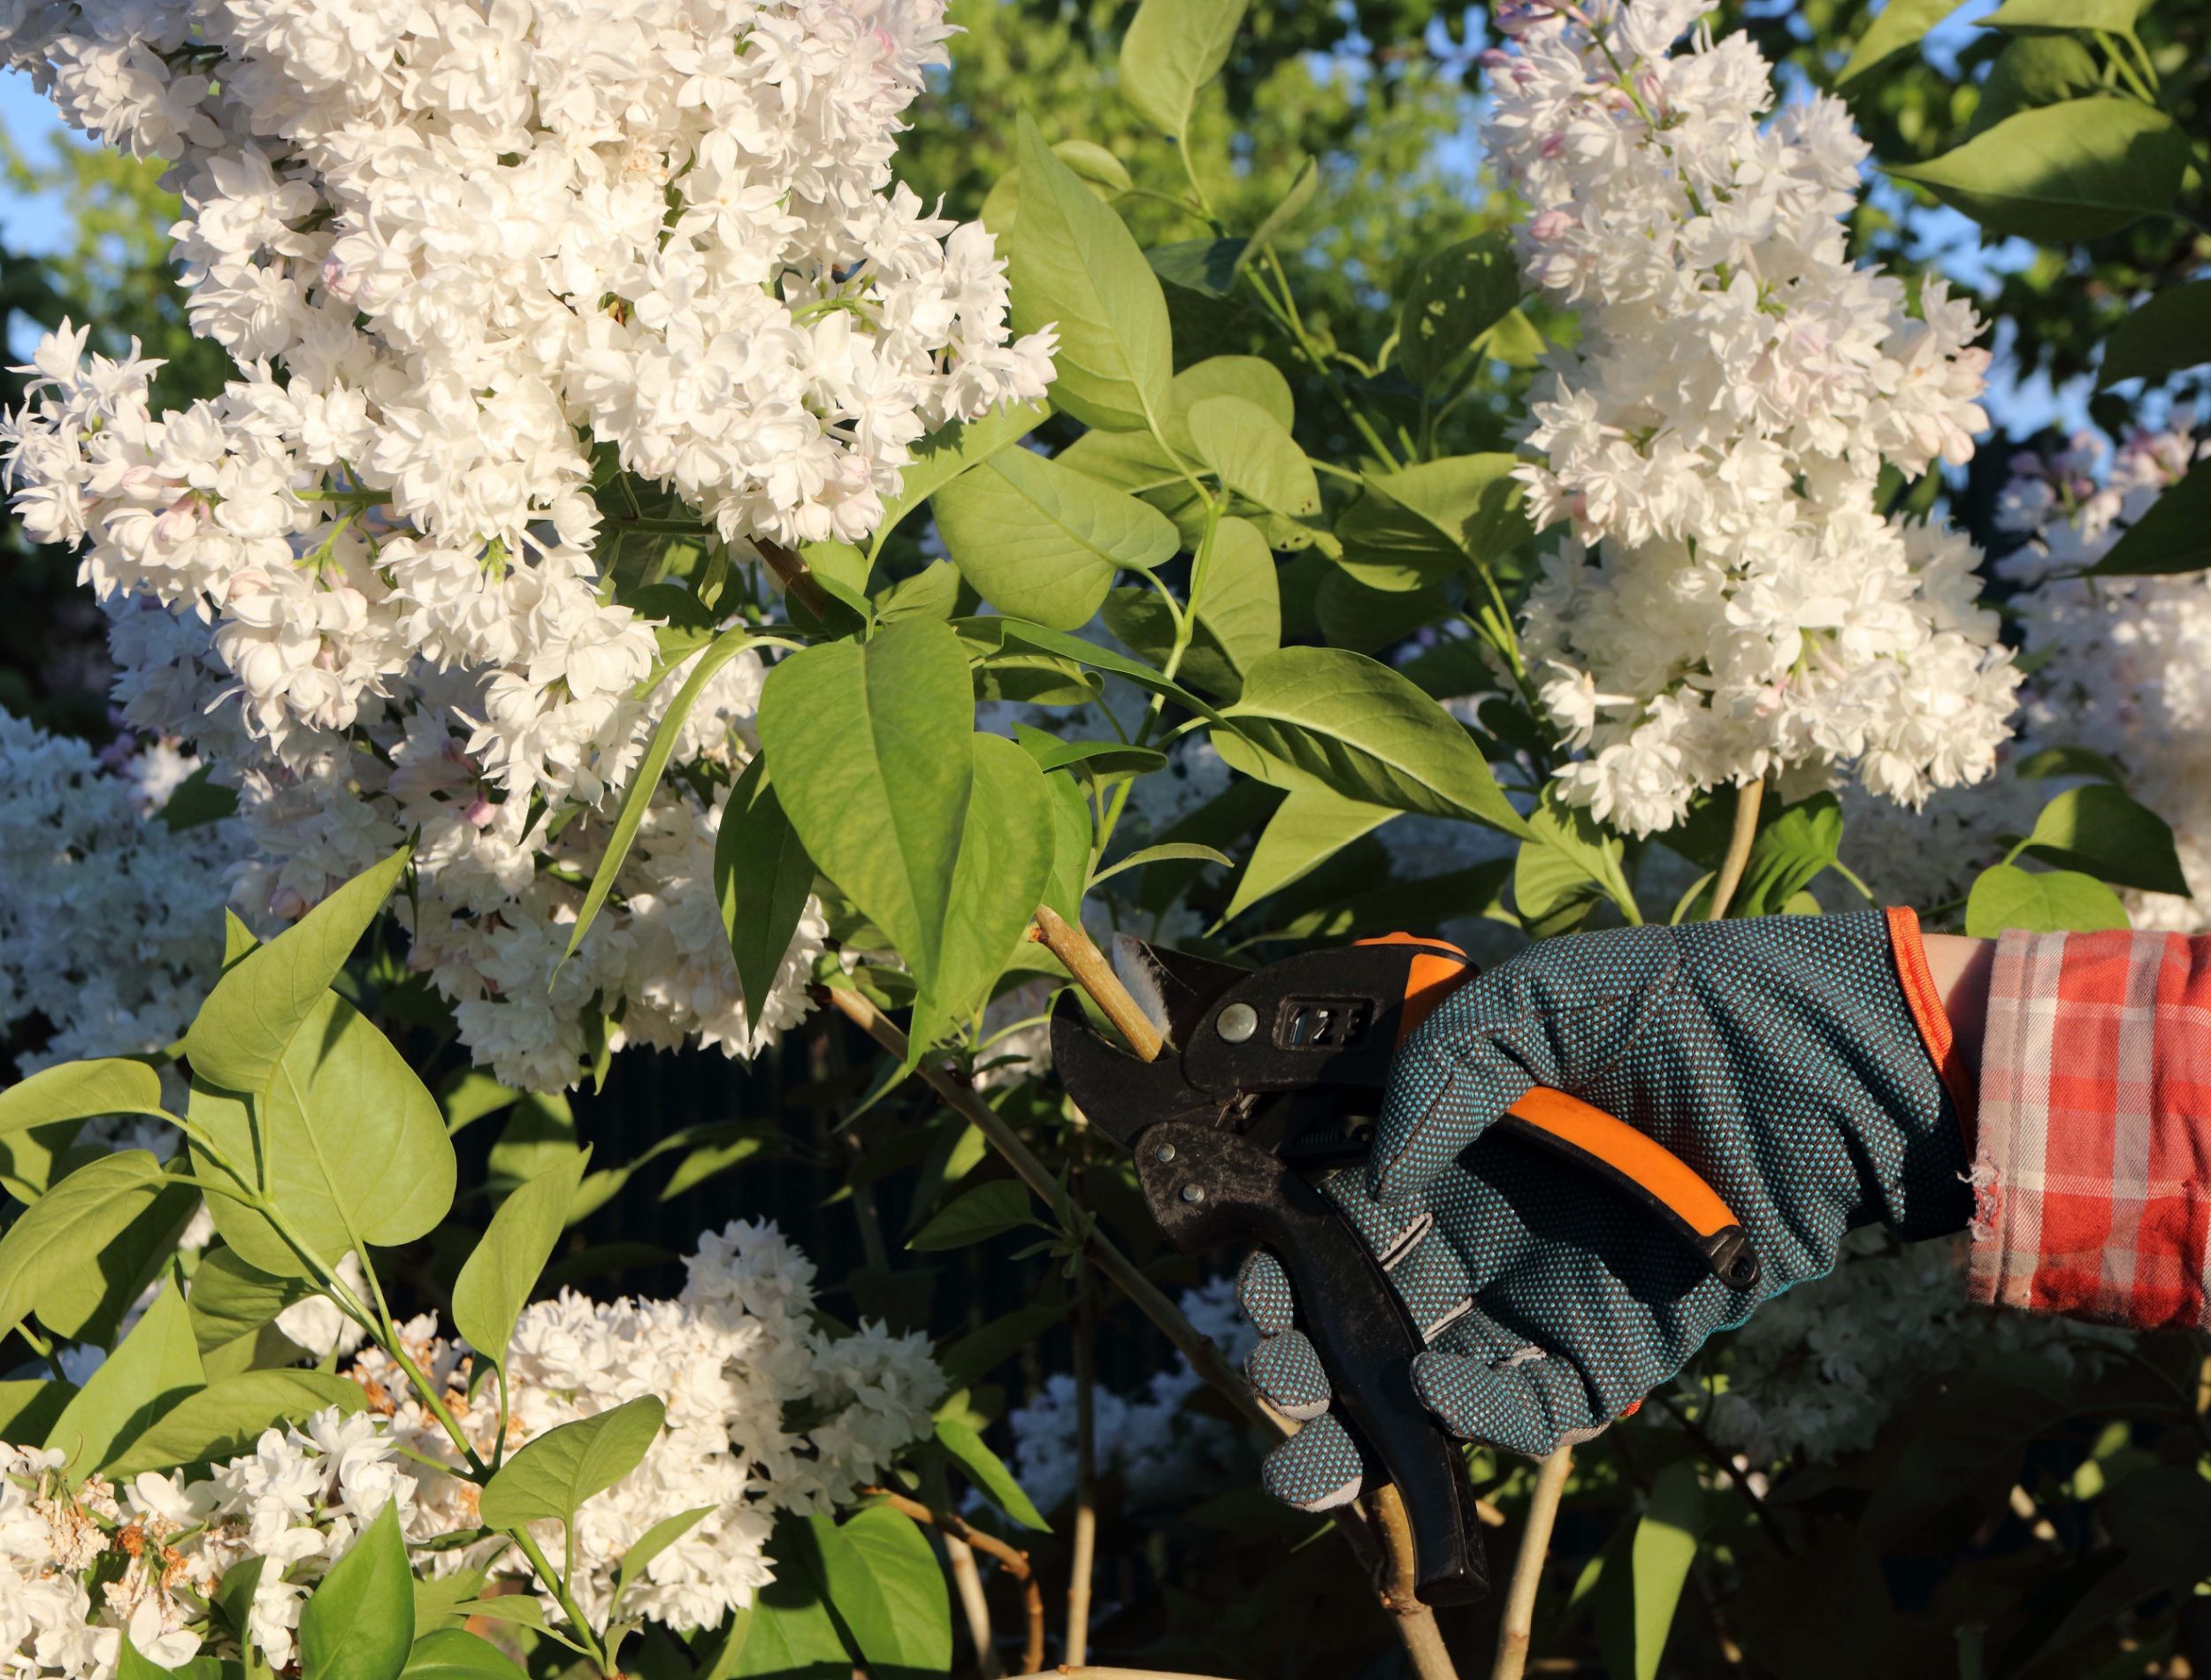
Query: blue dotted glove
{"x": 1777, "y": 1056}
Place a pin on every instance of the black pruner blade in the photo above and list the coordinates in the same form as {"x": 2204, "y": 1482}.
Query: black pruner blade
{"x": 1120, "y": 1093}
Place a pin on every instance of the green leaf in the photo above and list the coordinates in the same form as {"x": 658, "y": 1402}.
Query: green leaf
{"x": 1457, "y": 295}
{"x": 2169, "y": 330}
{"x": 1307, "y": 828}
{"x": 788, "y": 1633}
{"x": 1207, "y": 266}
{"x": 554, "y": 1474}
{"x": 1302, "y": 185}
{"x": 2173, "y": 534}
{"x": 1071, "y": 835}
{"x": 2032, "y": 71}
{"x": 1567, "y": 866}
{"x": 346, "y": 1141}
{"x": 949, "y": 451}
{"x": 454, "y": 1653}
{"x": 1430, "y": 901}
{"x": 1789, "y": 853}
{"x": 1254, "y": 455}
{"x": 197, "y": 801}
{"x": 1073, "y": 262}
{"x": 131, "y": 1665}
{"x": 28, "y": 1406}
{"x": 471, "y": 1094}
{"x": 980, "y": 1352}
{"x": 79, "y": 1090}
{"x": 2055, "y": 900}
{"x": 1103, "y": 658}
{"x": 1004, "y": 864}
{"x": 89, "y": 1302}
{"x": 763, "y": 877}
{"x": 1412, "y": 528}
{"x": 2068, "y": 762}
{"x": 870, "y": 749}
{"x": 650, "y": 1544}
{"x": 1899, "y": 26}
{"x": 1352, "y": 724}
{"x": 645, "y": 780}
{"x": 885, "y": 1584}
{"x": 1043, "y": 541}
{"x": 157, "y": 1365}
{"x": 65, "y": 1230}
{"x": 360, "y": 1623}
{"x": 1664, "y": 1546}
{"x": 501, "y": 1270}
{"x": 2113, "y": 17}
{"x": 932, "y": 592}
{"x": 1350, "y": 614}
{"x": 975, "y": 1216}
{"x": 1093, "y": 757}
{"x": 247, "y": 1021}
{"x": 1172, "y": 49}
{"x": 224, "y": 1419}
{"x": 1167, "y": 852}
{"x": 987, "y": 1471}
{"x": 2060, "y": 173}
{"x": 2099, "y": 832}
{"x": 1240, "y": 601}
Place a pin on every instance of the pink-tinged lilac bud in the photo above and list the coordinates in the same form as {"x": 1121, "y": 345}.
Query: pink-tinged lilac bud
{"x": 479, "y": 813}
{"x": 1552, "y": 224}
{"x": 1495, "y": 60}
{"x": 288, "y": 903}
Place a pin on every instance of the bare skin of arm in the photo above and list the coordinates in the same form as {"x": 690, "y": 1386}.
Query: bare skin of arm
{"x": 1960, "y": 968}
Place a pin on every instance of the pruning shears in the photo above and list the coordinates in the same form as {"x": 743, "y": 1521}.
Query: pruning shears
{"x": 1271, "y": 1078}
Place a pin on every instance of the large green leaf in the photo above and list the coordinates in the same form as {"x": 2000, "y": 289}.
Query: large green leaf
{"x": 987, "y": 1471}
{"x": 360, "y": 1623}
{"x": 224, "y": 1419}
{"x": 1172, "y": 49}
{"x": 2052, "y": 901}
{"x": 1240, "y": 601}
{"x": 65, "y": 1229}
{"x": 2027, "y": 16}
{"x": 1457, "y": 295}
{"x": 1788, "y": 854}
{"x": 2064, "y": 172}
{"x": 1043, "y": 541}
{"x": 1254, "y": 455}
{"x": 1072, "y": 836}
{"x": 1899, "y": 25}
{"x": 870, "y": 747}
{"x": 1062, "y": 645}
{"x": 1412, "y": 528}
{"x": 2099, "y": 832}
{"x": 554, "y": 1474}
{"x": 645, "y": 780}
{"x": 346, "y": 1143}
{"x": 454, "y": 1653}
{"x": 79, "y": 1090}
{"x": 1567, "y": 866}
{"x": 763, "y": 877}
{"x": 2171, "y": 330}
{"x": 2173, "y": 535}
{"x": 1658, "y": 1559}
{"x": 501, "y": 1270}
{"x": 1004, "y": 864}
{"x": 1307, "y": 828}
{"x": 1073, "y": 263}
{"x": 975, "y": 1216}
{"x": 1351, "y": 723}
{"x": 243, "y": 1028}
{"x": 949, "y": 451}
{"x": 157, "y": 1365}
{"x": 2033, "y": 71}
{"x": 89, "y": 1303}
{"x": 1303, "y": 187}
{"x": 788, "y": 1632}
{"x": 885, "y": 1585}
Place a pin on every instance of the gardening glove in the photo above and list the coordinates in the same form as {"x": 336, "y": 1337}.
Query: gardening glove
{"x": 1780, "y": 1057}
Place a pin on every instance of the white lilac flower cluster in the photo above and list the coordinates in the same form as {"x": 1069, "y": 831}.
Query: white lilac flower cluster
{"x": 110, "y": 924}
{"x": 766, "y": 1412}
{"x": 1732, "y": 603}
{"x": 1159, "y": 1450}
{"x": 1818, "y": 1372}
{"x": 472, "y": 260}
{"x": 735, "y": 1357}
{"x": 2120, "y": 666}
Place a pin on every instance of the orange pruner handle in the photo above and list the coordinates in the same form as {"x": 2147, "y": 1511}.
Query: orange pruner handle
{"x": 1587, "y": 1136}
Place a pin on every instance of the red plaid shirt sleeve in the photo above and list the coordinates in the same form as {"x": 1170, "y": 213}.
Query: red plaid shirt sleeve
{"x": 2093, "y": 1160}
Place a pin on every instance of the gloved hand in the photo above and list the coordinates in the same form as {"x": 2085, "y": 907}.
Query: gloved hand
{"x": 1778, "y": 1057}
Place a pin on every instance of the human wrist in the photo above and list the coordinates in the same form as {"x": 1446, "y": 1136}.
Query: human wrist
{"x": 1959, "y": 968}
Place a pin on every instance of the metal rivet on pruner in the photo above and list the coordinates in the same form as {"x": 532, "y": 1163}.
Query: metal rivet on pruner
{"x": 1164, "y": 1154}
{"x": 1237, "y": 1023}
{"x": 1193, "y": 1193}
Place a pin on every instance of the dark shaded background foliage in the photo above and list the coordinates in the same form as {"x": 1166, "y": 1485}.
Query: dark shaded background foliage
{"x": 1909, "y": 1560}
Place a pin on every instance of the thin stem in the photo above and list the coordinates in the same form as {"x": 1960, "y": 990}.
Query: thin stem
{"x": 1517, "y": 1627}
{"x": 967, "y": 1579}
{"x": 1749, "y": 796}
{"x": 1082, "y": 959}
{"x": 1423, "y": 1640}
{"x": 558, "y": 1584}
{"x": 798, "y": 577}
{"x": 1084, "y": 1548}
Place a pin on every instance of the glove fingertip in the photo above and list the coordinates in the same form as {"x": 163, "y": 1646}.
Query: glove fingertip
{"x": 1316, "y": 1469}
